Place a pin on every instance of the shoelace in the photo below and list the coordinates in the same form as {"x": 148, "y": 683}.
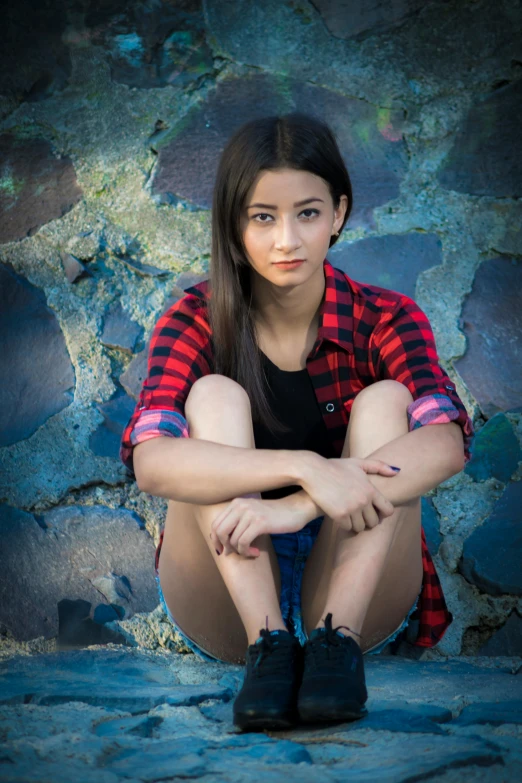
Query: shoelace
{"x": 270, "y": 656}
{"x": 329, "y": 646}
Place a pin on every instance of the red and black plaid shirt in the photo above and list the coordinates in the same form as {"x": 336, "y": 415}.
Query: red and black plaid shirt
{"x": 366, "y": 334}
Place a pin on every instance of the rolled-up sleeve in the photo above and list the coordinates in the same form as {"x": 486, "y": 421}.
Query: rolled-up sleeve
{"x": 179, "y": 354}
{"x": 403, "y": 349}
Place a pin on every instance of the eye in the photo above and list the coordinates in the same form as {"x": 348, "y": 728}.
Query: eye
{"x": 313, "y": 212}
{"x": 261, "y": 215}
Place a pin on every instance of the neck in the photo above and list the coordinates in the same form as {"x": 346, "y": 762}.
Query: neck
{"x": 291, "y": 309}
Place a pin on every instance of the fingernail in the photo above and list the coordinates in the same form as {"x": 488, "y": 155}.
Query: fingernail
{"x": 394, "y": 468}
{"x": 217, "y": 552}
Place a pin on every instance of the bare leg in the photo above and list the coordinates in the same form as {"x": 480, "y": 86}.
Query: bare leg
{"x": 368, "y": 580}
{"x": 220, "y": 602}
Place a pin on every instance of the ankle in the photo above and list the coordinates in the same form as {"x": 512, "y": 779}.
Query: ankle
{"x": 253, "y": 631}
{"x": 344, "y": 628}
{"x": 356, "y": 637}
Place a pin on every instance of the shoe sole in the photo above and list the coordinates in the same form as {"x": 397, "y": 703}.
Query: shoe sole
{"x": 347, "y": 712}
{"x": 259, "y": 724}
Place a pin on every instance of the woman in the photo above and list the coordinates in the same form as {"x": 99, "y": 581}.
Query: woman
{"x": 278, "y": 394}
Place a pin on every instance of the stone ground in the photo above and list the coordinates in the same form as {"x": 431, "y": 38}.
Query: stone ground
{"x": 110, "y": 712}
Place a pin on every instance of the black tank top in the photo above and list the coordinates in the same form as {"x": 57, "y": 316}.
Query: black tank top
{"x": 293, "y": 401}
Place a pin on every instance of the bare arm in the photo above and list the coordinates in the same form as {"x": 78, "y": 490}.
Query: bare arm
{"x": 427, "y": 456}
{"x": 204, "y": 472}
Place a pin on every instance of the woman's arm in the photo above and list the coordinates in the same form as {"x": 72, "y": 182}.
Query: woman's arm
{"x": 204, "y": 472}
{"x": 427, "y": 456}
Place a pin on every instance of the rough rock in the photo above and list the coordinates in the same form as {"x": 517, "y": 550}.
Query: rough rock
{"x": 73, "y": 268}
{"x": 150, "y": 631}
{"x": 427, "y": 758}
{"x": 407, "y": 722}
{"x": 445, "y": 50}
{"x": 77, "y": 629}
{"x": 372, "y": 145}
{"x": 34, "y": 359}
{"x": 397, "y": 679}
{"x": 143, "y": 716}
{"x": 86, "y": 245}
{"x": 492, "y": 322}
{"x": 106, "y": 439}
{"x": 145, "y": 270}
{"x": 188, "y": 279}
{"x": 119, "y": 330}
{"x": 34, "y": 37}
{"x": 507, "y": 640}
{"x": 64, "y": 554}
{"x": 491, "y": 556}
{"x": 496, "y": 451}
{"x": 430, "y": 523}
{"x": 133, "y": 377}
{"x": 486, "y": 159}
{"x": 39, "y": 187}
{"x": 348, "y": 18}
{"x": 494, "y": 713}
{"x": 153, "y": 44}
{"x": 393, "y": 261}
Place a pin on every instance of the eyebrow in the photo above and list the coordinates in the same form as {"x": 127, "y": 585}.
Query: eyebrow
{"x": 297, "y": 203}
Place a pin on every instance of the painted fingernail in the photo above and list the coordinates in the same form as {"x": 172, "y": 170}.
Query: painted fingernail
{"x": 394, "y": 468}
{"x": 217, "y": 552}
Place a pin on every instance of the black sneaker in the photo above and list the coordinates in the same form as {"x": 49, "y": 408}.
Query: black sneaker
{"x": 268, "y": 697}
{"x": 333, "y": 686}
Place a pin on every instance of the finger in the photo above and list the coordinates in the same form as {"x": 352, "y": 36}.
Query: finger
{"x": 217, "y": 522}
{"x": 382, "y": 504}
{"x": 241, "y": 527}
{"x": 245, "y": 547}
{"x": 236, "y": 505}
{"x": 377, "y": 466}
{"x": 219, "y": 534}
{"x": 226, "y": 529}
{"x": 358, "y": 523}
{"x": 370, "y": 516}
{"x": 216, "y": 543}
{"x": 346, "y": 522}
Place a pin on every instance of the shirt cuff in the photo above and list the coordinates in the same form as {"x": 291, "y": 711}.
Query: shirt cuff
{"x": 156, "y": 423}
{"x": 439, "y": 409}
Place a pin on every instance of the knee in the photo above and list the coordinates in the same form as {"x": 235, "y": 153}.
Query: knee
{"x": 215, "y": 391}
{"x": 388, "y": 393}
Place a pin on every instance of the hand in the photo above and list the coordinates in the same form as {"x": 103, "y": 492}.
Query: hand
{"x": 340, "y": 487}
{"x": 244, "y": 519}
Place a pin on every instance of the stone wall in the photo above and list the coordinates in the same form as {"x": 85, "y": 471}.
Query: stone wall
{"x": 112, "y": 118}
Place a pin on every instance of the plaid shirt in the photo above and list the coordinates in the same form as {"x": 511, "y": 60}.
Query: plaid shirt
{"x": 366, "y": 334}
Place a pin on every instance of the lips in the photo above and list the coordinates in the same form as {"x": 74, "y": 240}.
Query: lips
{"x": 290, "y": 264}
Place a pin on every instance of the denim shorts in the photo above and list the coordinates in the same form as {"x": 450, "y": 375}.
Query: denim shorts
{"x": 292, "y": 551}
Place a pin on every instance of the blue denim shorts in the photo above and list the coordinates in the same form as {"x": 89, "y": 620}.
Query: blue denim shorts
{"x": 292, "y": 551}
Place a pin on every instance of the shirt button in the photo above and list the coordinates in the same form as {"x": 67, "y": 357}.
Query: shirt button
{"x": 450, "y": 388}
{"x": 330, "y": 407}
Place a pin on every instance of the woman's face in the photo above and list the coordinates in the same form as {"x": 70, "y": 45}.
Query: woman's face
{"x": 289, "y": 214}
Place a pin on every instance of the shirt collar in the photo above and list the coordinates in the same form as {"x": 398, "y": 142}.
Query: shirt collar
{"x": 336, "y": 313}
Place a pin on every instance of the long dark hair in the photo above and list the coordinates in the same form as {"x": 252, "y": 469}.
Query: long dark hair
{"x": 295, "y": 141}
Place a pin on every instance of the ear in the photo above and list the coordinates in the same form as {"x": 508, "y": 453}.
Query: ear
{"x": 339, "y": 213}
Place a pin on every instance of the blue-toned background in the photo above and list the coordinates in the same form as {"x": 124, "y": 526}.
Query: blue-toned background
{"x": 112, "y": 118}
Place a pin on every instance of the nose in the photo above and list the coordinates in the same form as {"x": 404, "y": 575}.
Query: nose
{"x": 287, "y": 237}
